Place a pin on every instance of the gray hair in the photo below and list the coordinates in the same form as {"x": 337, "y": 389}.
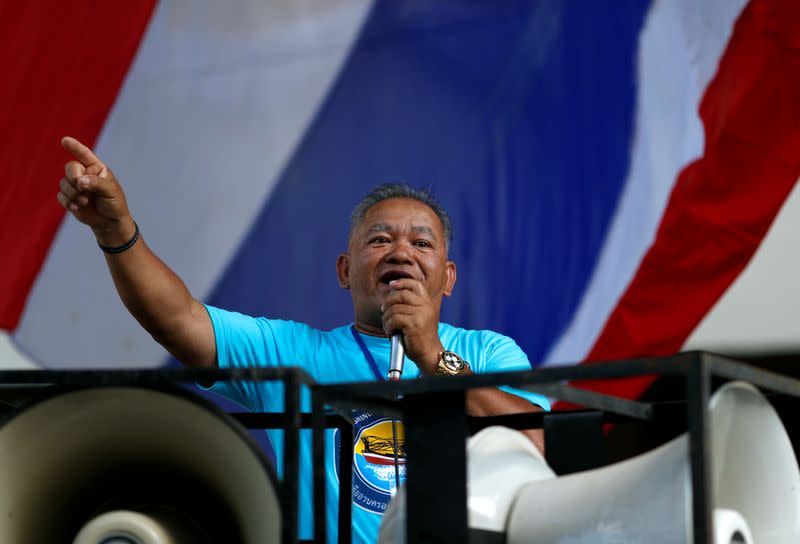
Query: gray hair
{"x": 400, "y": 190}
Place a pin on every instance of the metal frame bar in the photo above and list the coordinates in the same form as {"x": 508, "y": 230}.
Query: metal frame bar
{"x": 150, "y": 376}
{"x": 696, "y": 368}
{"x": 291, "y": 459}
{"x": 318, "y": 447}
{"x": 574, "y": 441}
{"x": 345, "y": 484}
{"x": 698, "y": 386}
{"x": 436, "y": 421}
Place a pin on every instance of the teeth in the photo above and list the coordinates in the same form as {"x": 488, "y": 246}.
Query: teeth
{"x": 390, "y": 277}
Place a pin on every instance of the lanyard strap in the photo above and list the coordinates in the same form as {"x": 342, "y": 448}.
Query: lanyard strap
{"x": 371, "y": 360}
{"x": 367, "y": 355}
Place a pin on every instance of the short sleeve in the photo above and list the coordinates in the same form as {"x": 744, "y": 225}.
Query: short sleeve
{"x": 245, "y": 342}
{"x": 504, "y": 355}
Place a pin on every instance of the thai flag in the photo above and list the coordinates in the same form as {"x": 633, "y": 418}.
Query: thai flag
{"x": 621, "y": 175}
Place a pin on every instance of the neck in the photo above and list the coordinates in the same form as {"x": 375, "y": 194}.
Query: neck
{"x": 372, "y": 330}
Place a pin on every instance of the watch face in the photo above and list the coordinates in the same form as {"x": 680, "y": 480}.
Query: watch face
{"x": 452, "y": 363}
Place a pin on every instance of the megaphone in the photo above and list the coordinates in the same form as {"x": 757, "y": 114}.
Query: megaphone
{"x": 133, "y": 465}
{"x": 646, "y": 499}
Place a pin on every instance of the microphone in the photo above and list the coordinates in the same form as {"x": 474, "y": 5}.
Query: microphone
{"x": 397, "y": 355}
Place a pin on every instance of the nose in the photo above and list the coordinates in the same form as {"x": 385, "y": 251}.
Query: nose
{"x": 400, "y": 253}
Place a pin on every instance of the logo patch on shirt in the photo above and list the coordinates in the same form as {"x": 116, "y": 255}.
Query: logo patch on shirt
{"x": 373, "y": 460}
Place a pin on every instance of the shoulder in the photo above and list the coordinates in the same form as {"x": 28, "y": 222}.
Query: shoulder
{"x": 487, "y": 338}
{"x": 489, "y": 350}
{"x": 244, "y": 340}
{"x": 233, "y": 319}
{"x": 275, "y": 336}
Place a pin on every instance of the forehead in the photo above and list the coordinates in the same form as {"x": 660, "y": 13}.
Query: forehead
{"x": 402, "y": 213}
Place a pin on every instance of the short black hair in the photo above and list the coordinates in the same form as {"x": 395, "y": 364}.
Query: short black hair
{"x": 400, "y": 190}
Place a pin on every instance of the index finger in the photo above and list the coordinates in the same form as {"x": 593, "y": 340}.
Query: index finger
{"x": 80, "y": 151}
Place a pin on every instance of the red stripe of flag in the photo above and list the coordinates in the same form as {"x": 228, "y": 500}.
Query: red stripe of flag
{"x": 63, "y": 64}
{"x": 722, "y": 204}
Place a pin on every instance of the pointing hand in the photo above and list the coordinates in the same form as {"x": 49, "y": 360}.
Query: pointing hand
{"x": 91, "y": 193}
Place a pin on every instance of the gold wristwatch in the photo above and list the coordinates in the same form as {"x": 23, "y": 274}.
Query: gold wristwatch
{"x": 450, "y": 364}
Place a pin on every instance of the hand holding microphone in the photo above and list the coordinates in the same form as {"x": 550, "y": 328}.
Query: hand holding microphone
{"x": 411, "y": 319}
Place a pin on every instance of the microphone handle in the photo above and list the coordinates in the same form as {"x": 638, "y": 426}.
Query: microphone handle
{"x": 397, "y": 355}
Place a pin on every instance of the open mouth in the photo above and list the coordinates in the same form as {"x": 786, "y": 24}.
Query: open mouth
{"x": 394, "y": 275}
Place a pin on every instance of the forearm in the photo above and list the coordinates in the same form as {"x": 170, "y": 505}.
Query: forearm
{"x": 491, "y": 401}
{"x": 488, "y": 401}
{"x": 155, "y": 296}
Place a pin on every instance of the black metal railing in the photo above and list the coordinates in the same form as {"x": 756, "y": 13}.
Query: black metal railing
{"x": 436, "y": 425}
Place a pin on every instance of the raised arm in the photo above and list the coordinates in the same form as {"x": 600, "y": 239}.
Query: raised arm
{"x": 150, "y": 290}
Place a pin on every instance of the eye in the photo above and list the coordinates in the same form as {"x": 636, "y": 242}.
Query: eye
{"x": 379, "y": 240}
{"x": 422, "y": 243}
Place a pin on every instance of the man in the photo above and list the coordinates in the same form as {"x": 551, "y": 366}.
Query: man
{"x": 397, "y": 270}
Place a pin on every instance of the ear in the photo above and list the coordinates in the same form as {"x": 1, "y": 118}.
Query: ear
{"x": 343, "y": 270}
{"x": 450, "y": 278}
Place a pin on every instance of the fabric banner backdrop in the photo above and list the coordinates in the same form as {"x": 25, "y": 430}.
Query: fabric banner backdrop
{"x": 621, "y": 175}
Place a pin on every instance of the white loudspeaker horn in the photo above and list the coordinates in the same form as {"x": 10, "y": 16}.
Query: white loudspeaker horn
{"x": 128, "y": 465}
{"x": 647, "y": 499}
{"x": 499, "y": 462}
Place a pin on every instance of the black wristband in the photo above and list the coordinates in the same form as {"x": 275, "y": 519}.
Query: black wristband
{"x": 124, "y": 247}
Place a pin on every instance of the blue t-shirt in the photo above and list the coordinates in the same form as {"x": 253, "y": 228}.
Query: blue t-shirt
{"x": 331, "y": 357}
